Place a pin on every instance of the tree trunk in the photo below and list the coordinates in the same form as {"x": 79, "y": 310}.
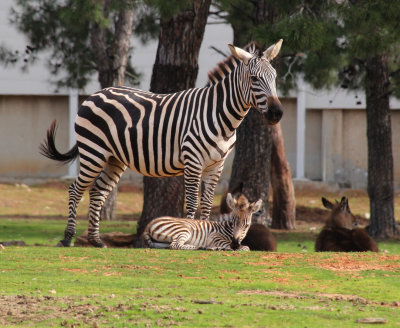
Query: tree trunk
{"x": 111, "y": 62}
{"x": 284, "y": 202}
{"x": 380, "y": 156}
{"x": 251, "y": 164}
{"x": 271, "y": 151}
{"x": 175, "y": 69}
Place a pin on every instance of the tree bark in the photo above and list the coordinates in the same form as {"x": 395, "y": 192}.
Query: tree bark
{"x": 111, "y": 62}
{"x": 175, "y": 69}
{"x": 270, "y": 159}
{"x": 284, "y": 202}
{"x": 251, "y": 164}
{"x": 380, "y": 155}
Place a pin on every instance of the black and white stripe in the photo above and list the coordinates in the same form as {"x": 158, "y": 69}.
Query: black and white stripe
{"x": 177, "y": 233}
{"x": 160, "y": 135}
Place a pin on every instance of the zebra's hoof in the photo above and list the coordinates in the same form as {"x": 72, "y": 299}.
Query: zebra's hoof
{"x": 63, "y": 243}
{"x": 97, "y": 243}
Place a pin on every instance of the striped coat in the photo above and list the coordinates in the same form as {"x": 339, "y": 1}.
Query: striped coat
{"x": 159, "y": 135}
{"x": 177, "y": 233}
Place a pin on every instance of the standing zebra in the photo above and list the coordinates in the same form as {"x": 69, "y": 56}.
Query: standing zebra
{"x": 161, "y": 135}
{"x": 176, "y": 233}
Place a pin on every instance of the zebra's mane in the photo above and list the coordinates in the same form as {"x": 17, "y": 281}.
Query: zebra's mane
{"x": 225, "y": 67}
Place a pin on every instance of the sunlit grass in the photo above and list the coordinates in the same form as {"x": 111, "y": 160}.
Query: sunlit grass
{"x": 141, "y": 287}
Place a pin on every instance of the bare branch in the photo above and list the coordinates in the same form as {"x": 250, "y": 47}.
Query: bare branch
{"x": 219, "y": 51}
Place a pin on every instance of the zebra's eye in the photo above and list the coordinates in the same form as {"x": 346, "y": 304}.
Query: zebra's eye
{"x": 254, "y": 79}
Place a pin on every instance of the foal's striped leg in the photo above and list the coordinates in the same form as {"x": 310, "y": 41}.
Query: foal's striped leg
{"x": 179, "y": 242}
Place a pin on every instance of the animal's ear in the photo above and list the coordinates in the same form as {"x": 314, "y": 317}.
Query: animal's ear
{"x": 230, "y": 201}
{"x": 327, "y": 204}
{"x": 240, "y": 54}
{"x": 344, "y": 204}
{"x": 273, "y": 50}
{"x": 255, "y": 207}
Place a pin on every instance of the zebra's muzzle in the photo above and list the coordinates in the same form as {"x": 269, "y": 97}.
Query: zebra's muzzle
{"x": 235, "y": 244}
{"x": 274, "y": 112}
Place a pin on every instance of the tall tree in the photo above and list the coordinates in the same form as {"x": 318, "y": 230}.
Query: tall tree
{"x": 83, "y": 37}
{"x": 372, "y": 41}
{"x": 112, "y": 53}
{"x": 359, "y": 39}
{"x": 262, "y": 146}
{"x": 175, "y": 69}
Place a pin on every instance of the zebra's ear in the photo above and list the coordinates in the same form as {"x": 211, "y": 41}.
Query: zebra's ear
{"x": 255, "y": 207}
{"x": 230, "y": 201}
{"x": 240, "y": 54}
{"x": 273, "y": 50}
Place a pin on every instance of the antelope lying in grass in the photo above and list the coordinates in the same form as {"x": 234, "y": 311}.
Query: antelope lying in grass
{"x": 340, "y": 233}
{"x": 176, "y": 233}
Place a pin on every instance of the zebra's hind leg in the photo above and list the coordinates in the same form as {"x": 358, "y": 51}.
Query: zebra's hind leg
{"x": 102, "y": 187}
{"x": 179, "y": 242}
{"x": 75, "y": 195}
{"x": 83, "y": 181}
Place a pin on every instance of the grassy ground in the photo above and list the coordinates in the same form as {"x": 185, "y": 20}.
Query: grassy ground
{"x": 85, "y": 287}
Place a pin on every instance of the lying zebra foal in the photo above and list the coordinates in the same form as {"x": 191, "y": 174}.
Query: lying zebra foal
{"x": 176, "y": 233}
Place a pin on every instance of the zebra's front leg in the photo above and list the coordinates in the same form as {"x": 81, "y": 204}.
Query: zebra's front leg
{"x": 192, "y": 177}
{"x": 210, "y": 180}
{"x": 218, "y": 242}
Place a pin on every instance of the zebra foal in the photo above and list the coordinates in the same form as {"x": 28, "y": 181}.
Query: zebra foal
{"x": 176, "y": 233}
{"x": 188, "y": 133}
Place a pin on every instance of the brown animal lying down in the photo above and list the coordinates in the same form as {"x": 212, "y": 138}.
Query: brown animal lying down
{"x": 339, "y": 233}
{"x": 259, "y": 237}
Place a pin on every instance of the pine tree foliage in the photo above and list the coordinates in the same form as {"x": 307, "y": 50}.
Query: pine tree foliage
{"x": 62, "y": 29}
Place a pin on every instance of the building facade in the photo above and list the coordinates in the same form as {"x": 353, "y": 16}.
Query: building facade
{"x": 324, "y": 131}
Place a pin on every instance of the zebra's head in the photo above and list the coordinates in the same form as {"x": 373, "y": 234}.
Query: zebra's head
{"x": 261, "y": 78}
{"x": 241, "y": 214}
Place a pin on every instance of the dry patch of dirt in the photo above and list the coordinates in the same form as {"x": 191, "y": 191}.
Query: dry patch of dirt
{"x": 320, "y": 296}
{"x": 19, "y": 309}
{"x": 341, "y": 262}
{"x": 358, "y": 262}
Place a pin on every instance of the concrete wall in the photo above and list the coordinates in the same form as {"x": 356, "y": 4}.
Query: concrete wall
{"x": 23, "y": 124}
{"x": 289, "y": 129}
{"x": 313, "y": 156}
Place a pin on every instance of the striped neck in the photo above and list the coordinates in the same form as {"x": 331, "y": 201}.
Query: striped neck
{"x": 231, "y": 87}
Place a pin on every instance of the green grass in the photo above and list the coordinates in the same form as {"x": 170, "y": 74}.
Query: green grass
{"x": 49, "y": 232}
{"x": 140, "y": 287}
{"x": 85, "y": 287}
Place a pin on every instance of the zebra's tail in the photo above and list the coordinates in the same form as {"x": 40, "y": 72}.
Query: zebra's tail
{"x": 147, "y": 240}
{"x": 49, "y": 150}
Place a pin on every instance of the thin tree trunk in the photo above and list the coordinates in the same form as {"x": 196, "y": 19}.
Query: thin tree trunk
{"x": 175, "y": 69}
{"x": 270, "y": 160}
{"x": 284, "y": 202}
{"x": 251, "y": 164}
{"x": 380, "y": 156}
{"x": 111, "y": 61}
